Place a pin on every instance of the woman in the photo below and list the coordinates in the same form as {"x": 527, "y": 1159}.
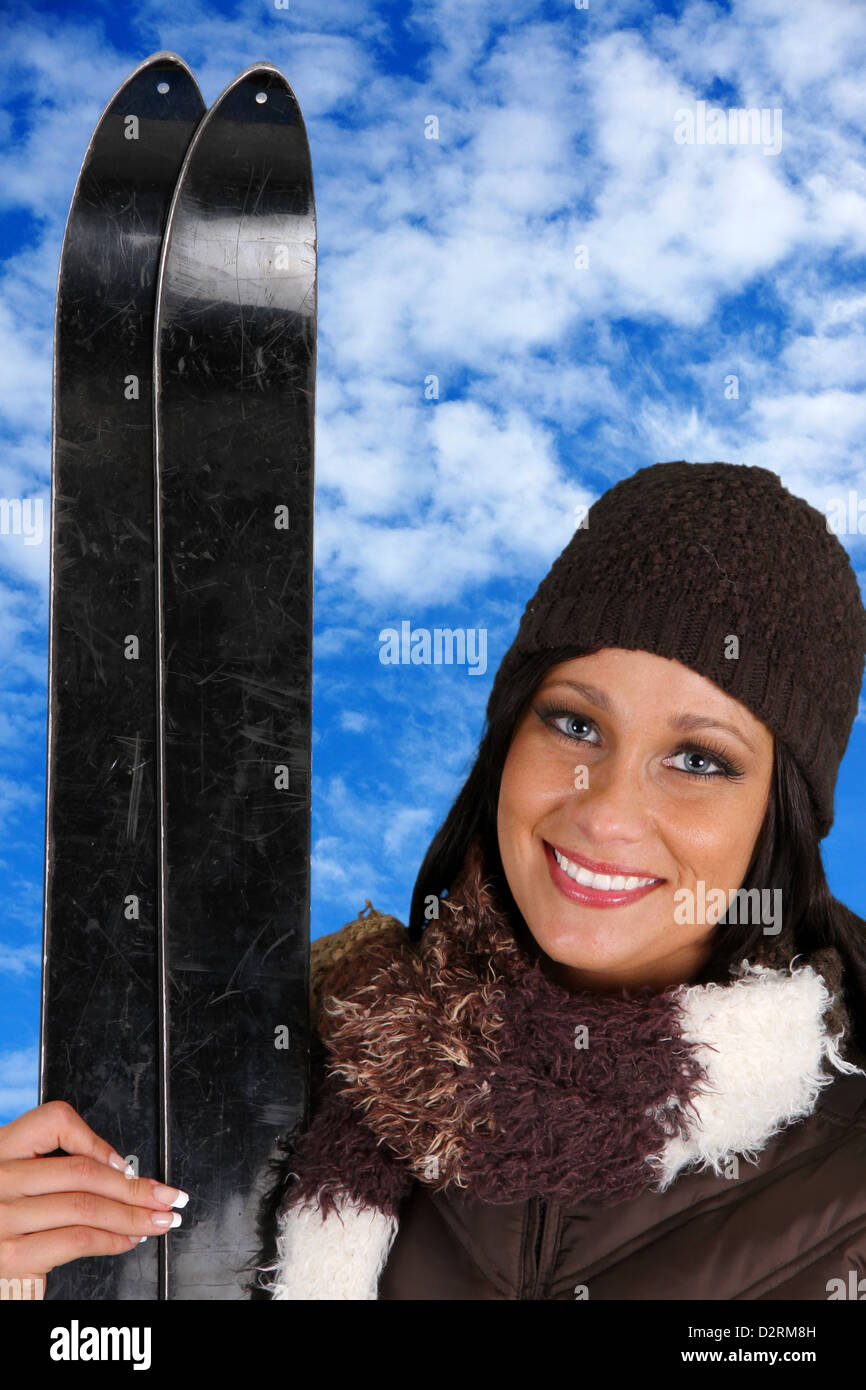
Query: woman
{"x": 619, "y": 1054}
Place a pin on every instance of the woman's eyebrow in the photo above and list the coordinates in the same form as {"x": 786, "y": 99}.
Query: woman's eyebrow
{"x": 683, "y": 723}
{"x": 688, "y": 722}
{"x": 589, "y": 692}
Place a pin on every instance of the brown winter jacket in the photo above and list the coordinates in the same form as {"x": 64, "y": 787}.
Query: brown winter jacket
{"x": 792, "y": 1225}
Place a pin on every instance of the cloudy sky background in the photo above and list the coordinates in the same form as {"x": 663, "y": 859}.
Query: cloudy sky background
{"x": 455, "y": 257}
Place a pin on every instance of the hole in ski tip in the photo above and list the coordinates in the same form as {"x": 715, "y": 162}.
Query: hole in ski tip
{"x": 162, "y": 88}
{"x": 261, "y": 97}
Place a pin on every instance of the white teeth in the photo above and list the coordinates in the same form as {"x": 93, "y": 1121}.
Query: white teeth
{"x": 602, "y": 881}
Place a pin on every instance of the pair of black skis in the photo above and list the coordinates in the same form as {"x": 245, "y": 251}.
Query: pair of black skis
{"x": 176, "y": 930}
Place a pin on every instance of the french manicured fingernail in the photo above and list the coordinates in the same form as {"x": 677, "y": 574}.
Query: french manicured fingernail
{"x": 166, "y": 1219}
{"x": 119, "y": 1163}
{"x": 136, "y": 1240}
{"x": 173, "y": 1196}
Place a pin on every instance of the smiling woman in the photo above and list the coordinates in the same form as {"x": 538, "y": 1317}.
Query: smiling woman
{"x": 599, "y": 1064}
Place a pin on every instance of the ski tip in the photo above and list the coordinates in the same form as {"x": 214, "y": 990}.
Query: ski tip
{"x": 262, "y": 67}
{"x": 170, "y": 74}
{"x": 263, "y": 71}
{"x": 165, "y": 55}
{"x": 272, "y": 80}
{"x": 163, "y": 61}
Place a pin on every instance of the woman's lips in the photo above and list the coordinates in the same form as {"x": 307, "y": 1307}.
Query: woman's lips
{"x": 594, "y": 897}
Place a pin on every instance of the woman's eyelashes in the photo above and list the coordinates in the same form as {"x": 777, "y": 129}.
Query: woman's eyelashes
{"x": 718, "y": 757}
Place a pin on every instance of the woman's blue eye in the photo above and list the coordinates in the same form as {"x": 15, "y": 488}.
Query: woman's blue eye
{"x": 702, "y": 758}
{"x": 576, "y": 722}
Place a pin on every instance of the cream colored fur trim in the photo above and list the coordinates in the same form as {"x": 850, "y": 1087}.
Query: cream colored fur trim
{"x": 763, "y": 1043}
{"x": 341, "y": 1257}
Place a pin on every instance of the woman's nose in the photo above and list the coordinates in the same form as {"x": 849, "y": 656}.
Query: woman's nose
{"x": 610, "y": 800}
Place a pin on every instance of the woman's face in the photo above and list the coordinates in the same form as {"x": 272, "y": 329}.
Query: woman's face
{"x": 641, "y": 727}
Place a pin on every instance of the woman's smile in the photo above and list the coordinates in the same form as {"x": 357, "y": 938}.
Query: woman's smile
{"x": 614, "y": 888}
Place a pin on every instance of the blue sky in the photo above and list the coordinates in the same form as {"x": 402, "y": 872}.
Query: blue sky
{"x": 455, "y": 258}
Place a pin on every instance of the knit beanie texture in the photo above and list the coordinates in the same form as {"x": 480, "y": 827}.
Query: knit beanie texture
{"x": 680, "y": 559}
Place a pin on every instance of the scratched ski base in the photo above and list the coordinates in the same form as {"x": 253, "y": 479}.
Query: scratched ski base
{"x": 99, "y": 1046}
{"x": 235, "y": 375}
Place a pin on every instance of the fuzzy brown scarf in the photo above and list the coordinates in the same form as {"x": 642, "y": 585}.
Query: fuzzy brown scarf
{"x": 458, "y": 1061}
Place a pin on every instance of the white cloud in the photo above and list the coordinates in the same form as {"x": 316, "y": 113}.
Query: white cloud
{"x": 23, "y": 897}
{"x": 15, "y": 797}
{"x": 811, "y": 438}
{"x": 23, "y": 624}
{"x": 494, "y": 493}
{"x": 19, "y": 960}
{"x": 354, "y": 721}
{"x": 828, "y": 361}
{"x": 405, "y": 826}
{"x": 19, "y": 1081}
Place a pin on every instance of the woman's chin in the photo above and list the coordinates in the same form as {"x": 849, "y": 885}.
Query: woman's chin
{"x": 585, "y": 953}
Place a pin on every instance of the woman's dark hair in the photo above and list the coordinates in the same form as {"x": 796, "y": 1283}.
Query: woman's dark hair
{"x": 786, "y": 856}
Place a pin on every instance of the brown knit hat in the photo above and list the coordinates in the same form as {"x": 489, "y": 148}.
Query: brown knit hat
{"x": 679, "y": 558}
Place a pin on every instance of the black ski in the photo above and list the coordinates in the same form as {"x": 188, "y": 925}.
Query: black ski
{"x": 234, "y": 380}
{"x": 99, "y": 1046}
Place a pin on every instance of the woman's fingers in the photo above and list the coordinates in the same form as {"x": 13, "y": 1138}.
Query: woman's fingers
{"x": 24, "y": 1177}
{"x": 54, "y": 1210}
{"x": 54, "y": 1125}
{"x": 85, "y": 1203}
{"x": 32, "y": 1256}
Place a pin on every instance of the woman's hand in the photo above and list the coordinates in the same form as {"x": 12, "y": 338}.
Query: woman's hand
{"x": 53, "y": 1210}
